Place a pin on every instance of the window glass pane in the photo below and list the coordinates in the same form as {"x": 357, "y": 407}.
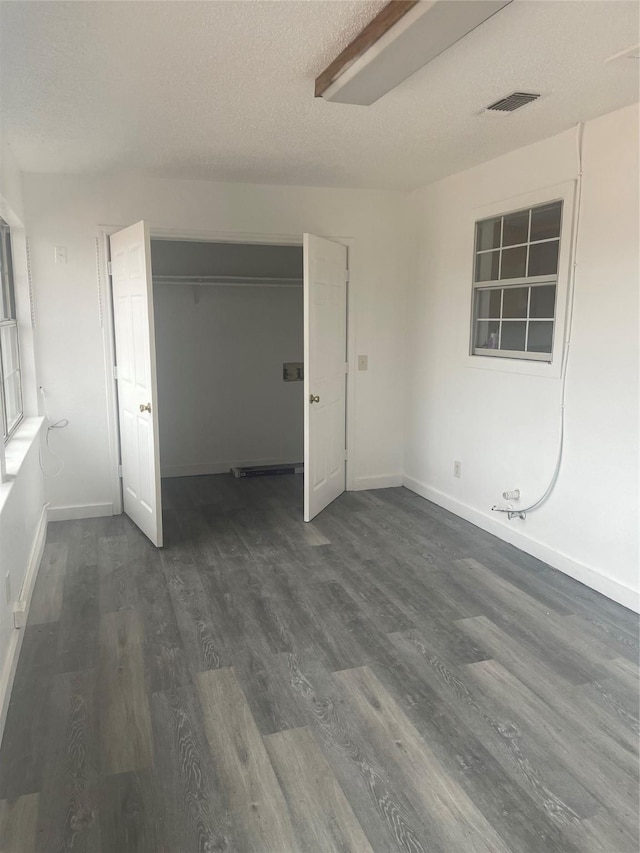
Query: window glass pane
{"x": 4, "y": 301}
{"x": 488, "y": 303}
{"x": 487, "y": 333}
{"x": 543, "y": 301}
{"x": 515, "y": 228}
{"x": 514, "y": 303}
{"x": 540, "y": 336}
{"x": 10, "y": 298}
{"x": 545, "y": 221}
{"x": 543, "y": 258}
{"x": 13, "y": 402}
{"x": 487, "y": 266}
{"x": 514, "y": 262}
{"x": 488, "y": 234}
{"x": 513, "y": 334}
{"x": 9, "y": 348}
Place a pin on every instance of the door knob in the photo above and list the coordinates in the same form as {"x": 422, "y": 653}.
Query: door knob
{"x": 314, "y": 399}
{"x": 146, "y": 408}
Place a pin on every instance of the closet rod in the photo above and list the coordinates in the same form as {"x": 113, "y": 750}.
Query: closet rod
{"x": 229, "y": 280}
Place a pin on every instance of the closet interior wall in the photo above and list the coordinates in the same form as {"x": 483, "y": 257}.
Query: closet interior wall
{"x": 227, "y": 316}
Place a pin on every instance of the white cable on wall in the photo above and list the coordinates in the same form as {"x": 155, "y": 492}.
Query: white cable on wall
{"x": 521, "y": 513}
{"x": 61, "y": 424}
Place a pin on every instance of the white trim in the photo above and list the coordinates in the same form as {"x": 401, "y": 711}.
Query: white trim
{"x": 378, "y": 481}
{"x": 111, "y": 388}
{"x": 199, "y": 469}
{"x": 564, "y": 192}
{"x": 16, "y": 450}
{"x": 352, "y": 365}
{"x": 229, "y": 237}
{"x": 588, "y": 575}
{"x": 73, "y": 513}
{"x": 15, "y": 639}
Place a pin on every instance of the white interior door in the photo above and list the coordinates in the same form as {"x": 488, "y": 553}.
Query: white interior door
{"x": 325, "y": 367}
{"x": 136, "y": 378}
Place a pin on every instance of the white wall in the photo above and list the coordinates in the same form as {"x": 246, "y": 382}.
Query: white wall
{"x": 66, "y": 211}
{"x": 22, "y": 535}
{"x": 503, "y": 426}
{"x": 22, "y": 516}
{"x": 221, "y": 397}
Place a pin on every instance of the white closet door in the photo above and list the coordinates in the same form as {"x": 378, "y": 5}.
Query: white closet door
{"x": 136, "y": 378}
{"x": 325, "y": 380}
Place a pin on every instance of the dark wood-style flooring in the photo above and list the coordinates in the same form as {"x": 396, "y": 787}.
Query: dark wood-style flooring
{"x": 387, "y": 678}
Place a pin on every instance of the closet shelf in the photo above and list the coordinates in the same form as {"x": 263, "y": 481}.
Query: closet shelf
{"x": 229, "y": 280}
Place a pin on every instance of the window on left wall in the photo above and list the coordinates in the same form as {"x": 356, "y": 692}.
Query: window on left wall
{"x": 10, "y": 384}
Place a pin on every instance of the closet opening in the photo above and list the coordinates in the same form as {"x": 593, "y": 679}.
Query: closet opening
{"x": 230, "y": 357}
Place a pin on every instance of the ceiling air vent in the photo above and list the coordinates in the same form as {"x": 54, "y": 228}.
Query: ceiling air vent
{"x": 513, "y": 102}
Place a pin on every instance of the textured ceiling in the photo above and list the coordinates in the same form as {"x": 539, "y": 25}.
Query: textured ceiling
{"x": 224, "y": 90}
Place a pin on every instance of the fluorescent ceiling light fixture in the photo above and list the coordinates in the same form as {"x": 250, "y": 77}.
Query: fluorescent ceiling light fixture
{"x": 402, "y": 38}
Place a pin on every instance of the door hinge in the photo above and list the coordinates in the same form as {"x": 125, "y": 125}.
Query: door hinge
{"x": 109, "y": 268}
{"x": 347, "y": 276}
{"x": 120, "y": 471}
{"x": 115, "y": 371}
{"x": 346, "y": 367}
{"x": 346, "y": 455}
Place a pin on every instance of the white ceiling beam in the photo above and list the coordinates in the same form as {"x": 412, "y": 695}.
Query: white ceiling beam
{"x": 423, "y": 31}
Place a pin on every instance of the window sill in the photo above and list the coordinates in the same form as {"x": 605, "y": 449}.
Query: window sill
{"x": 504, "y": 364}
{"x": 17, "y": 449}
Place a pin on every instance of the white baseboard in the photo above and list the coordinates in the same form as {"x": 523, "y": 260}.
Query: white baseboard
{"x": 16, "y": 636}
{"x": 220, "y": 467}
{"x": 72, "y": 513}
{"x": 587, "y": 575}
{"x": 379, "y": 481}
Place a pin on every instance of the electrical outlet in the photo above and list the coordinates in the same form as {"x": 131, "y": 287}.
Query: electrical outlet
{"x": 60, "y": 255}
{"x": 7, "y": 587}
{"x": 457, "y": 469}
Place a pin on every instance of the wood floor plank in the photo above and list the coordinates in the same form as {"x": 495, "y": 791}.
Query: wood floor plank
{"x": 200, "y": 630}
{"x": 165, "y": 663}
{"x": 79, "y": 620}
{"x": 388, "y": 677}
{"x": 129, "y": 814}
{"x": 529, "y": 622}
{"x": 257, "y": 805}
{"x": 24, "y": 741}
{"x": 68, "y": 817}
{"x": 321, "y": 813}
{"x": 588, "y": 650}
{"x": 379, "y": 805}
{"x": 457, "y": 823}
{"x": 592, "y": 722}
{"x": 18, "y": 819}
{"x": 117, "y": 587}
{"x": 192, "y": 807}
{"x": 46, "y": 603}
{"x": 509, "y": 807}
{"x": 270, "y": 699}
{"x": 615, "y": 787}
{"x": 533, "y": 768}
{"x": 125, "y": 727}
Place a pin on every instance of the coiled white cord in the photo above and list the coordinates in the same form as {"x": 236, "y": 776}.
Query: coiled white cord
{"x": 521, "y": 513}
{"x": 61, "y": 424}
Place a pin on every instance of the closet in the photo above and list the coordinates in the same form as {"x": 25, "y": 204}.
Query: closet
{"x": 229, "y": 352}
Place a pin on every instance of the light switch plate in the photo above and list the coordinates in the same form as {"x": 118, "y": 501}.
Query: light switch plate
{"x": 363, "y": 362}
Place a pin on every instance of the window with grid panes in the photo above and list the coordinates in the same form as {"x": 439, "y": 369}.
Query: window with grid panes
{"x": 515, "y": 282}
{"x": 10, "y": 383}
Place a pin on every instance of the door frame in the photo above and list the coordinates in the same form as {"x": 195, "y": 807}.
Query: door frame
{"x": 105, "y": 311}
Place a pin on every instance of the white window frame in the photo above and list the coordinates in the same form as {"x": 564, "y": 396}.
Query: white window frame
{"x": 12, "y": 322}
{"x": 518, "y": 362}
